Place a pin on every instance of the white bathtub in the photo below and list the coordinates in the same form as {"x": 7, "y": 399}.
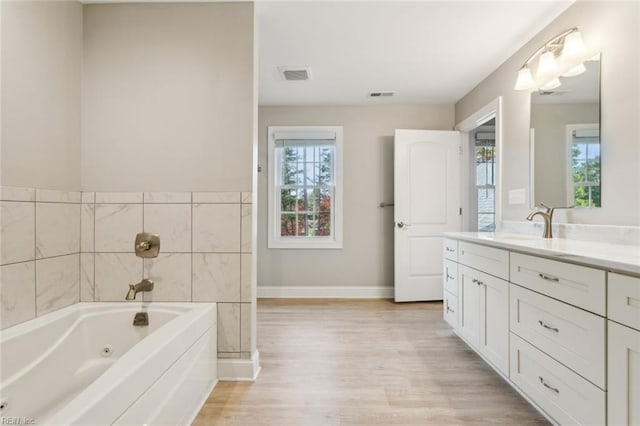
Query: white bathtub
{"x": 87, "y": 364}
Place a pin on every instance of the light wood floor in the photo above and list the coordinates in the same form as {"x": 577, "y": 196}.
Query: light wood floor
{"x": 372, "y": 362}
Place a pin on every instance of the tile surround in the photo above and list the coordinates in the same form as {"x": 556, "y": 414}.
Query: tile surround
{"x": 116, "y": 226}
{"x": 83, "y": 243}
{"x": 57, "y": 283}
{"x": 18, "y": 231}
{"x": 43, "y": 225}
{"x": 113, "y": 274}
{"x": 171, "y": 276}
{"x": 18, "y": 293}
{"x": 173, "y": 223}
{"x": 216, "y": 228}
{"x": 57, "y": 229}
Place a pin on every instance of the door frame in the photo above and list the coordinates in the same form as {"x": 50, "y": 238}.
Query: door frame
{"x": 491, "y": 110}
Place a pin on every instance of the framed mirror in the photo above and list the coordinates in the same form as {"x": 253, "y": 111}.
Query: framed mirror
{"x": 565, "y": 141}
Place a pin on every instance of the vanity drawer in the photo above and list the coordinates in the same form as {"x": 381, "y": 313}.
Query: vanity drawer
{"x": 450, "y": 249}
{"x": 564, "y": 395}
{"x": 624, "y": 300}
{"x": 577, "y": 285}
{"x": 570, "y": 335}
{"x": 491, "y": 260}
{"x": 450, "y": 309}
{"x": 450, "y": 276}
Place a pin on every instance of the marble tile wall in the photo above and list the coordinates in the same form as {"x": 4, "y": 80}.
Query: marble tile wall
{"x": 39, "y": 253}
{"x": 205, "y": 253}
{"x": 59, "y": 248}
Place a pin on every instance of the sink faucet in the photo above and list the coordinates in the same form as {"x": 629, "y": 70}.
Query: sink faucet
{"x": 547, "y": 216}
{"x": 144, "y": 285}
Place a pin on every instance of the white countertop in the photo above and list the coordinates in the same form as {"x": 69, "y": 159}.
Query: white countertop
{"x": 614, "y": 257}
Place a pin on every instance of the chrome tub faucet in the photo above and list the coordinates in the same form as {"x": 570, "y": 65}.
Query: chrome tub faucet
{"x": 144, "y": 285}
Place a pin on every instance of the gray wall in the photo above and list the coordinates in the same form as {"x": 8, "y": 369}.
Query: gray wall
{"x": 41, "y": 65}
{"x": 367, "y": 255}
{"x": 168, "y": 97}
{"x": 609, "y": 27}
{"x": 549, "y": 122}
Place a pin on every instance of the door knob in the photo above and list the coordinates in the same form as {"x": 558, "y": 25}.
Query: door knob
{"x": 402, "y": 224}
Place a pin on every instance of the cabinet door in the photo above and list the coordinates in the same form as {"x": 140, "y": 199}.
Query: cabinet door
{"x": 623, "y": 375}
{"x": 450, "y": 309}
{"x": 494, "y": 321}
{"x": 468, "y": 312}
{"x": 450, "y": 277}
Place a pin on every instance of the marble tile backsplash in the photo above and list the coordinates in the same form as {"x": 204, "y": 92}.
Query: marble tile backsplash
{"x": 205, "y": 252}
{"x": 59, "y": 248}
{"x": 40, "y": 253}
{"x": 625, "y": 235}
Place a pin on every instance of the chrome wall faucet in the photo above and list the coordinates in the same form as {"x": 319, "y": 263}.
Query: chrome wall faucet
{"x": 144, "y": 285}
{"x": 547, "y": 216}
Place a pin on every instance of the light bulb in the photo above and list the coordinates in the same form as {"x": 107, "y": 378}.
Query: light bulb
{"x": 525, "y": 79}
{"x": 546, "y": 63}
{"x": 551, "y": 84}
{"x": 573, "y": 45}
{"x": 577, "y": 70}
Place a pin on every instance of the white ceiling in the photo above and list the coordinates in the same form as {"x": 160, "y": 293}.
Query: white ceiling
{"x": 429, "y": 52}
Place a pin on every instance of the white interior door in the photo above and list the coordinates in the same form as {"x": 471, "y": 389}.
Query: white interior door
{"x": 427, "y": 203}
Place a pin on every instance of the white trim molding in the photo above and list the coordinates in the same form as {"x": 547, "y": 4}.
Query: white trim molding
{"x": 239, "y": 370}
{"x": 491, "y": 110}
{"x": 325, "y": 292}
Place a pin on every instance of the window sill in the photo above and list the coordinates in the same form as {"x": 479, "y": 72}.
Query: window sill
{"x": 320, "y": 245}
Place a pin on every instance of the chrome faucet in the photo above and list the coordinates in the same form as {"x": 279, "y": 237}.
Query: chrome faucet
{"x": 144, "y": 285}
{"x": 547, "y": 216}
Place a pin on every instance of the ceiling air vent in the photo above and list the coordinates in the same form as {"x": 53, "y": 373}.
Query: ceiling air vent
{"x": 382, "y": 94}
{"x": 295, "y": 73}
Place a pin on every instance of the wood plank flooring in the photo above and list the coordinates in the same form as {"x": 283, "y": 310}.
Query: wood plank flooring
{"x": 364, "y": 362}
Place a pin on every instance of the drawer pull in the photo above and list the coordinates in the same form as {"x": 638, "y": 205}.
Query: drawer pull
{"x": 477, "y": 281}
{"x": 546, "y": 385}
{"x": 549, "y": 277}
{"x": 548, "y": 327}
{"x": 450, "y": 250}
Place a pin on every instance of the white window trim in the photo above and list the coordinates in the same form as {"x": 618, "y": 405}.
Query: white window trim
{"x": 274, "y": 239}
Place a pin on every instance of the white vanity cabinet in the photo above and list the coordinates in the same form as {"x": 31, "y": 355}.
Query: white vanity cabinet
{"x": 564, "y": 333}
{"x": 483, "y": 302}
{"x": 623, "y": 350}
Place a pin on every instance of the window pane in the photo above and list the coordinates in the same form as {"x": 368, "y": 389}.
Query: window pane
{"x": 579, "y": 168}
{"x": 486, "y": 222}
{"x": 288, "y": 225}
{"x": 486, "y": 200}
{"x": 325, "y": 200}
{"x": 288, "y": 200}
{"x": 324, "y": 224}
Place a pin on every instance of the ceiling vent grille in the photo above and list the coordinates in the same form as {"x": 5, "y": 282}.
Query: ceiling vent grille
{"x": 295, "y": 73}
{"x": 382, "y": 94}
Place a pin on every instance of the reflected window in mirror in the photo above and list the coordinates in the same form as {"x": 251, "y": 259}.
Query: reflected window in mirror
{"x": 565, "y": 141}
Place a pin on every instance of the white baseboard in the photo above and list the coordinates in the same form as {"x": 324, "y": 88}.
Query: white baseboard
{"x": 239, "y": 370}
{"x": 325, "y": 292}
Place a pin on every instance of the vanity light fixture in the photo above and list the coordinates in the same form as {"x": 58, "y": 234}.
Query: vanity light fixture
{"x": 567, "y": 47}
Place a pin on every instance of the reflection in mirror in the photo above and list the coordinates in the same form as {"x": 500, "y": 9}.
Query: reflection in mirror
{"x": 565, "y": 141}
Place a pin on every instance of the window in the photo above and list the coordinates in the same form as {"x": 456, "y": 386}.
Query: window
{"x": 305, "y": 187}
{"x": 584, "y": 154}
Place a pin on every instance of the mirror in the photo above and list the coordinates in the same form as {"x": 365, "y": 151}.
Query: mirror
{"x": 565, "y": 141}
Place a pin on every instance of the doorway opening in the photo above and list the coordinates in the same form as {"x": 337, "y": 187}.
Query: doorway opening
{"x": 482, "y": 174}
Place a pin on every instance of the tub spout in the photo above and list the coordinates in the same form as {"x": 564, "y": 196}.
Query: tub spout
{"x": 144, "y": 285}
